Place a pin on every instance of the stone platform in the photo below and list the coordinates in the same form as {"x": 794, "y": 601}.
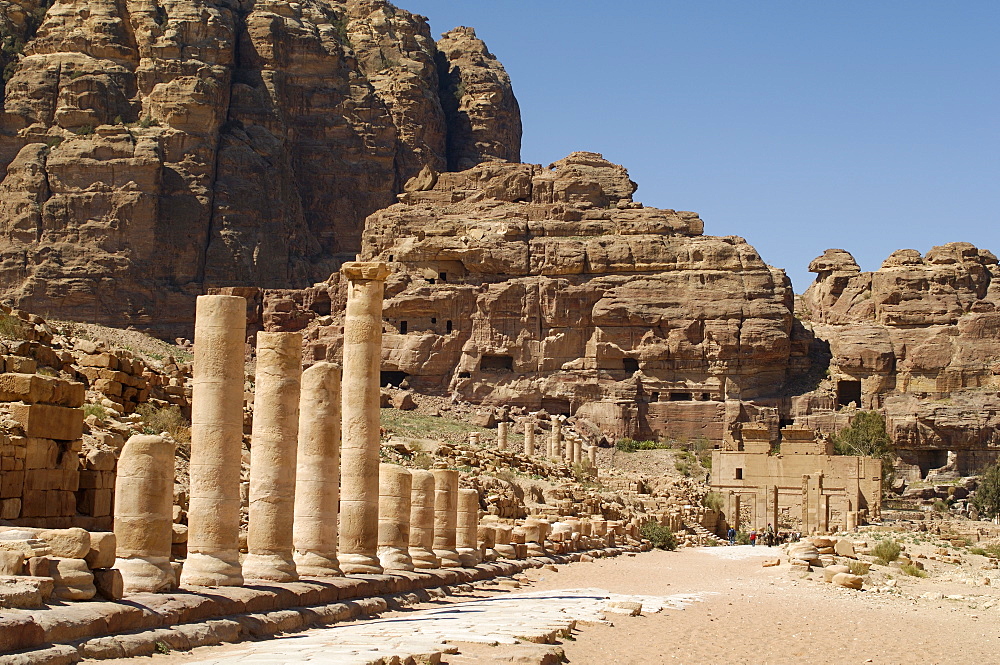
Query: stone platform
{"x": 184, "y": 620}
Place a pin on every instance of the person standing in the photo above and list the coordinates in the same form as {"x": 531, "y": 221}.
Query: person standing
{"x": 732, "y": 535}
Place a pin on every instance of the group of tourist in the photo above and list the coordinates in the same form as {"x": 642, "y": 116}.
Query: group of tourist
{"x": 768, "y": 537}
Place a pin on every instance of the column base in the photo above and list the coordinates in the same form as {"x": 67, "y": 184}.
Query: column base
{"x": 506, "y": 551}
{"x": 448, "y": 558}
{"x": 469, "y": 557}
{"x": 216, "y": 569}
{"x": 536, "y": 549}
{"x": 423, "y": 558}
{"x": 360, "y": 564}
{"x": 269, "y": 568}
{"x": 395, "y": 558}
{"x": 314, "y": 564}
{"x": 146, "y": 575}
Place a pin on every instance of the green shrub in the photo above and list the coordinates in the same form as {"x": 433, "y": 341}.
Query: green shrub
{"x": 167, "y": 419}
{"x": 661, "y": 536}
{"x": 85, "y": 130}
{"x": 11, "y": 327}
{"x": 627, "y": 445}
{"x": 987, "y": 497}
{"x": 859, "y": 568}
{"x": 941, "y": 506}
{"x": 94, "y": 410}
{"x": 742, "y": 538}
{"x": 978, "y": 550}
{"x": 148, "y": 122}
{"x": 683, "y": 467}
{"x": 886, "y": 551}
{"x": 912, "y": 570}
{"x": 713, "y": 501}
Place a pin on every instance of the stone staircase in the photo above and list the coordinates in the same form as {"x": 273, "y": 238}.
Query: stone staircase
{"x": 704, "y": 533}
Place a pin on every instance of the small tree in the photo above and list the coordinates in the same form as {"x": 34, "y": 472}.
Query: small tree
{"x": 987, "y": 498}
{"x": 868, "y": 437}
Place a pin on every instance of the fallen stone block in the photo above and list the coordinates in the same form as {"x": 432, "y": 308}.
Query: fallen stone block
{"x": 48, "y": 422}
{"x": 67, "y": 543}
{"x": 73, "y": 580}
{"x": 848, "y": 581}
{"x": 830, "y": 571}
{"x": 103, "y": 546}
{"x": 109, "y": 583}
{"x": 770, "y": 563}
{"x": 11, "y": 563}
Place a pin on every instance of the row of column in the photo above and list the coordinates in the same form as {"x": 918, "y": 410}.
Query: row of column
{"x": 307, "y": 435}
{"x": 571, "y": 453}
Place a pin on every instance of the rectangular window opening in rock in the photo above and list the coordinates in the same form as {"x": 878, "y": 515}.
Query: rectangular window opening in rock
{"x": 630, "y": 364}
{"x": 681, "y": 397}
{"x": 496, "y": 363}
{"x": 739, "y": 474}
{"x": 848, "y": 392}
{"x": 391, "y": 377}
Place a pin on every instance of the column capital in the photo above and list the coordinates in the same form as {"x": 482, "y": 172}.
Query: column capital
{"x": 365, "y": 270}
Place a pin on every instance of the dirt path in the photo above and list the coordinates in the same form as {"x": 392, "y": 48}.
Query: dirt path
{"x": 746, "y": 614}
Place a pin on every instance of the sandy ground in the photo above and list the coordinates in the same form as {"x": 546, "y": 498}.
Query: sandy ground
{"x": 751, "y": 614}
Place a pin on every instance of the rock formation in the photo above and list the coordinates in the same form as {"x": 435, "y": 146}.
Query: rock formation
{"x": 151, "y": 151}
{"x": 549, "y": 288}
{"x": 918, "y": 339}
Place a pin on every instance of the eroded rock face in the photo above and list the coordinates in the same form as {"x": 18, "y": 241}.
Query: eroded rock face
{"x": 151, "y": 151}
{"x": 919, "y": 338}
{"x": 550, "y": 288}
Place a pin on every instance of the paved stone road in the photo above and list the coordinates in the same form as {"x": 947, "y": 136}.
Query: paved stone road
{"x": 539, "y": 616}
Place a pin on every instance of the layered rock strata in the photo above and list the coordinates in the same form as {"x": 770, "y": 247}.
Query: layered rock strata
{"x": 149, "y": 151}
{"x": 549, "y": 288}
{"x": 916, "y": 338}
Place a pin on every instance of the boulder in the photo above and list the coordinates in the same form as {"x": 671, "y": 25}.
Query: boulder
{"x": 848, "y": 581}
{"x": 830, "y": 571}
{"x": 73, "y": 580}
{"x": 71, "y": 543}
{"x": 11, "y": 563}
{"x": 845, "y": 547}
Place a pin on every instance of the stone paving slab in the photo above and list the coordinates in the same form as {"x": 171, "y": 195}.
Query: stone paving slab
{"x": 538, "y": 616}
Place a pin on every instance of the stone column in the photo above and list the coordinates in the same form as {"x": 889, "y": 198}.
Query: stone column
{"x": 555, "y": 441}
{"x": 529, "y": 437}
{"x": 273, "y": 445}
{"x": 466, "y": 537}
{"x": 570, "y": 438}
{"x": 317, "y": 474}
{"x": 577, "y": 451}
{"x": 216, "y": 443}
{"x": 446, "y": 517}
{"x": 592, "y": 456}
{"x": 474, "y": 439}
{"x": 394, "y": 517}
{"x": 360, "y": 417}
{"x": 422, "y": 520}
{"x": 144, "y": 500}
{"x": 502, "y": 435}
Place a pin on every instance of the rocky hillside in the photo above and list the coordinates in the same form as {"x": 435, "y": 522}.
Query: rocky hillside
{"x": 550, "y": 288}
{"x": 151, "y": 150}
{"x": 917, "y": 338}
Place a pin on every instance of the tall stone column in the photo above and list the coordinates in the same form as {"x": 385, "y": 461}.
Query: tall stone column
{"x": 466, "y": 534}
{"x": 529, "y": 437}
{"x": 502, "y": 435}
{"x": 216, "y": 443}
{"x": 274, "y": 441}
{"x": 555, "y": 442}
{"x": 317, "y": 473}
{"x": 422, "y": 519}
{"x": 577, "y": 450}
{"x": 144, "y": 500}
{"x": 446, "y": 517}
{"x": 592, "y": 456}
{"x": 570, "y": 438}
{"x": 360, "y": 417}
{"x": 394, "y": 517}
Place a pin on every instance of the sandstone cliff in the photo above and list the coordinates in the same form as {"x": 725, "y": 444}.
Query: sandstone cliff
{"x": 919, "y": 339}
{"x": 550, "y": 288}
{"x": 149, "y": 151}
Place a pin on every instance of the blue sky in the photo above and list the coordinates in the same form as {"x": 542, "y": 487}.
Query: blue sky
{"x": 870, "y": 126}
